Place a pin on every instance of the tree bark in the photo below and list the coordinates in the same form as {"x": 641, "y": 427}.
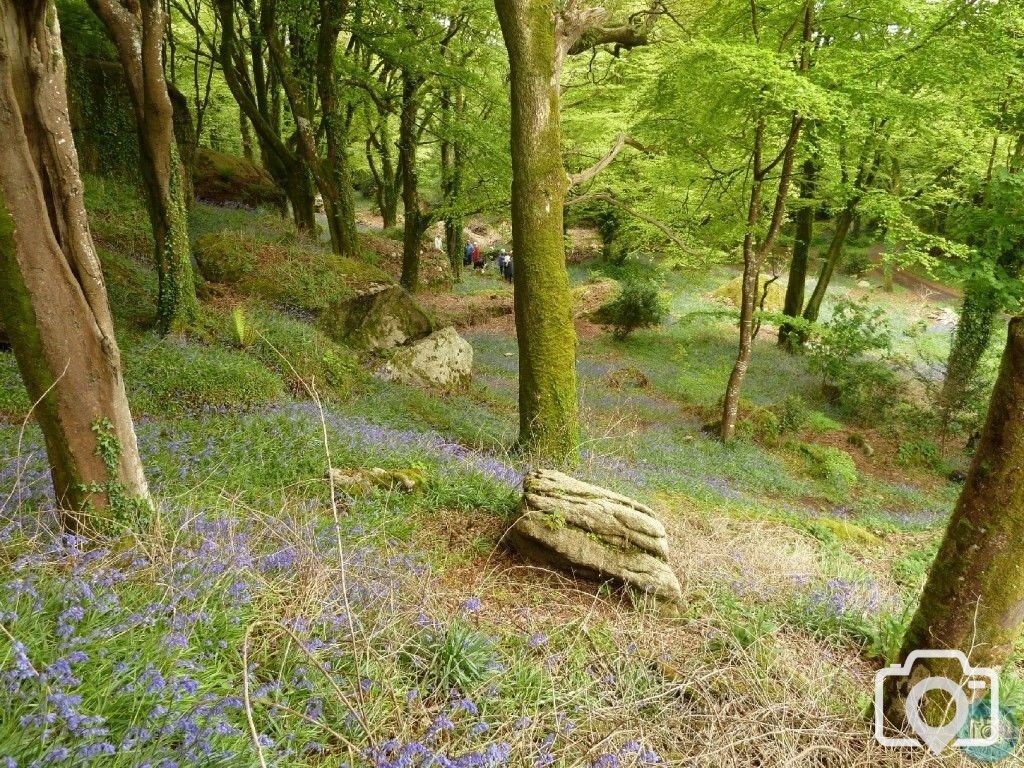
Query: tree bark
{"x": 52, "y": 296}
{"x": 794, "y": 304}
{"x": 452, "y": 106}
{"x": 973, "y": 600}
{"x": 413, "y": 228}
{"x": 137, "y": 33}
{"x": 754, "y": 256}
{"x": 548, "y": 402}
{"x": 341, "y": 212}
{"x": 258, "y": 97}
{"x": 828, "y": 266}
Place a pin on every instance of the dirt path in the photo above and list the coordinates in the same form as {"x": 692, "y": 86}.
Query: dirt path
{"x": 911, "y": 281}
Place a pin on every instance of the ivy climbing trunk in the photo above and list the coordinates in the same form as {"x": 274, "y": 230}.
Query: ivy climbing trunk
{"x": 138, "y": 32}
{"x": 53, "y": 299}
{"x": 794, "y": 303}
{"x": 548, "y": 403}
{"x": 981, "y": 305}
{"x": 973, "y": 600}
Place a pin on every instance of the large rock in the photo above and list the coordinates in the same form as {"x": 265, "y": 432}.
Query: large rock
{"x": 594, "y": 533}
{"x": 443, "y": 359}
{"x": 376, "y": 318}
{"x": 227, "y": 179}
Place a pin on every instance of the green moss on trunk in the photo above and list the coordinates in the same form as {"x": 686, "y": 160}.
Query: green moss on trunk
{"x": 974, "y": 598}
{"x": 548, "y": 404}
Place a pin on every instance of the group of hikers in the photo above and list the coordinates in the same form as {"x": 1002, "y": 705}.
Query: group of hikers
{"x": 473, "y": 256}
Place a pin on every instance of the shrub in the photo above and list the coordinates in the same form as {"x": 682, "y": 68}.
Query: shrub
{"x": 920, "y": 453}
{"x": 856, "y": 260}
{"x": 303, "y": 355}
{"x": 850, "y": 354}
{"x": 225, "y": 257}
{"x": 793, "y": 413}
{"x": 638, "y": 305}
{"x": 831, "y": 465}
{"x": 759, "y": 424}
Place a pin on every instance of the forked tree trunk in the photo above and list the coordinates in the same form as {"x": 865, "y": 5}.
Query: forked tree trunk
{"x": 138, "y": 34}
{"x": 754, "y": 256}
{"x": 548, "y": 403}
{"x": 974, "y": 598}
{"x": 53, "y": 299}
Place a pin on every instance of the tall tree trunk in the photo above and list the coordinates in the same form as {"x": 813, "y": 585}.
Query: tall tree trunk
{"x": 258, "y": 96}
{"x": 407, "y": 145}
{"x": 341, "y": 212}
{"x": 794, "y": 304}
{"x": 753, "y": 257}
{"x": 452, "y": 105}
{"x": 974, "y": 598}
{"x": 387, "y": 178}
{"x": 828, "y": 265}
{"x": 548, "y": 402}
{"x": 138, "y": 34}
{"x": 748, "y": 296}
{"x": 53, "y": 300}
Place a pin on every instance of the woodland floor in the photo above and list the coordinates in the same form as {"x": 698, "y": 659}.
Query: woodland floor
{"x": 796, "y": 588}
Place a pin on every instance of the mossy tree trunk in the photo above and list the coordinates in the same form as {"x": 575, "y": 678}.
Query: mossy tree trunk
{"x": 138, "y": 34}
{"x": 973, "y": 600}
{"x": 331, "y": 175}
{"x": 415, "y": 223}
{"x": 452, "y": 108}
{"x": 387, "y": 175}
{"x": 341, "y": 211}
{"x": 548, "y": 404}
{"x": 255, "y": 89}
{"x": 52, "y": 296}
{"x": 829, "y": 263}
{"x": 794, "y": 303}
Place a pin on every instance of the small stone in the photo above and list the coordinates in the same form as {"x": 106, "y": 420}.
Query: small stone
{"x": 361, "y": 482}
{"x": 594, "y": 533}
{"x": 864, "y": 284}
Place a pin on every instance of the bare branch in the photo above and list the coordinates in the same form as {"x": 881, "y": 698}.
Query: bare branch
{"x": 575, "y": 179}
{"x": 660, "y": 226}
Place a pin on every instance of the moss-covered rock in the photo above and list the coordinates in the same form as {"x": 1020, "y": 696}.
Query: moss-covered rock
{"x": 378, "y": 318}
{"x": 222, "y": 178}
{"x": 353, "y": 302}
